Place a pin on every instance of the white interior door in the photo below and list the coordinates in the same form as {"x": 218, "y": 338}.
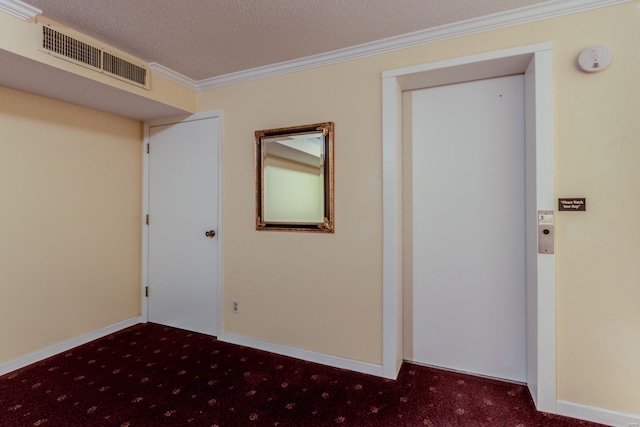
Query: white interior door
{"x": 183, "y": 207}
{"x": 468, "y": 227}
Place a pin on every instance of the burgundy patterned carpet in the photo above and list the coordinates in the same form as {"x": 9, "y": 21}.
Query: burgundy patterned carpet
{"x": 151, "y": 375}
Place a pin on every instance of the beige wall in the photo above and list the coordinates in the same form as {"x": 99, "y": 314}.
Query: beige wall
{"x": 320, "y": 292}
{"x": 70, "y": 210}
{"x": 335, "y": 305}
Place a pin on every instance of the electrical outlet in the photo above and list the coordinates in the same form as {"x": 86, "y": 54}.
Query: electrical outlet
{"x": 235, "y": 306}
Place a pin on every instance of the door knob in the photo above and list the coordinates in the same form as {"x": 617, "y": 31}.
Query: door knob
{"x": 210, "y": 234}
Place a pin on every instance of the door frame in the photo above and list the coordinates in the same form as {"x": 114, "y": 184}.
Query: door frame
{"x": 536, "y": 63}
{"x": 213, "y": 114}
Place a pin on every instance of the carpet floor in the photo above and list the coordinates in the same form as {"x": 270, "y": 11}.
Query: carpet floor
{"x": 152, "y": 375}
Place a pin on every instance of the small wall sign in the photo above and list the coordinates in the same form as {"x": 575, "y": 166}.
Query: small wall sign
{"x": 572, "y": 204}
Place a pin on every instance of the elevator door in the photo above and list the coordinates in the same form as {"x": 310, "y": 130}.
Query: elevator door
{"x": 467, "y": 227}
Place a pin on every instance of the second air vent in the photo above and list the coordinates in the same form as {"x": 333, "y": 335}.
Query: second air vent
{"x": 123, "y": 69}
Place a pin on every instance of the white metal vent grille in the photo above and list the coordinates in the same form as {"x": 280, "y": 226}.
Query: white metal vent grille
{"x": 83, "y": 51}
{"x": 70, "y": 48}
{"x": 124, "y": 69}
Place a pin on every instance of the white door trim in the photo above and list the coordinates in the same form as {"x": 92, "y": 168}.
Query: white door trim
{"x": 537, "y": 62}
{"x": 145, "y": 205}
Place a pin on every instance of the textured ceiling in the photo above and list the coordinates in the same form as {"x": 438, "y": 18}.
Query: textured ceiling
{"x": 208, "y": 38}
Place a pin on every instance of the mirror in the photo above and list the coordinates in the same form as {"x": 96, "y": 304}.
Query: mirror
{"x": 294, "y": 178}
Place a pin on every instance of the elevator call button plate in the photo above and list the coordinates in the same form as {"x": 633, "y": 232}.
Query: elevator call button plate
{"x": 545, "y": 232}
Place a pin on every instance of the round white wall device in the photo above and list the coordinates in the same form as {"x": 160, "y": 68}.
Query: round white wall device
{"x": 594, "y": 58}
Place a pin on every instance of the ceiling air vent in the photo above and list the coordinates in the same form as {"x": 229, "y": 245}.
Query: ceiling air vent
{"x": 81, "y": 50}
{"x": 70, "y": 48}
{"x": 122, "y": 69}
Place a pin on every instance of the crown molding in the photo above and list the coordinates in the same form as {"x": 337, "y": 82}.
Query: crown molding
{"x": 19, "y": 9}
{"x": 172, "y": 76}
{"x": 537, "y": 12}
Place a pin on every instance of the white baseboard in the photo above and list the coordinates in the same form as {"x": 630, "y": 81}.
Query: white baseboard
{"x": 598, "y": 415}
{"x": 310, "y": 356}
{"x": 39, "y": 355}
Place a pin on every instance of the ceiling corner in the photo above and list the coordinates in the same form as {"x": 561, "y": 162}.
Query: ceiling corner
{"x": 172, "y": 76}
{"x": 19, "y": 9}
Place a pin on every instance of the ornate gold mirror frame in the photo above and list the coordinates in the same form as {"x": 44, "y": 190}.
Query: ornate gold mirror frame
{"x": 294, "y": 178}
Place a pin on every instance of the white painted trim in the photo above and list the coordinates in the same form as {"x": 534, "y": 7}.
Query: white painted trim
{"x": 172, "y": 76}
{"x": 145, "y": 203}
{"x": 144, "y": 261}
{"x": 546, "y": 263}
{"x": 470, "y": 59}
{"x": 298, "y": 353}
{"x": 597, "y": 415}
{"x": 531, "y": 235}
{"x": 39, "y": 355}
{"x": 536, "y": 12}
{"x": 486, "y": 65}
{"x": 220, "y": 230}
{"x": 19, "y": 9}
{"x": 391, "y": 214}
